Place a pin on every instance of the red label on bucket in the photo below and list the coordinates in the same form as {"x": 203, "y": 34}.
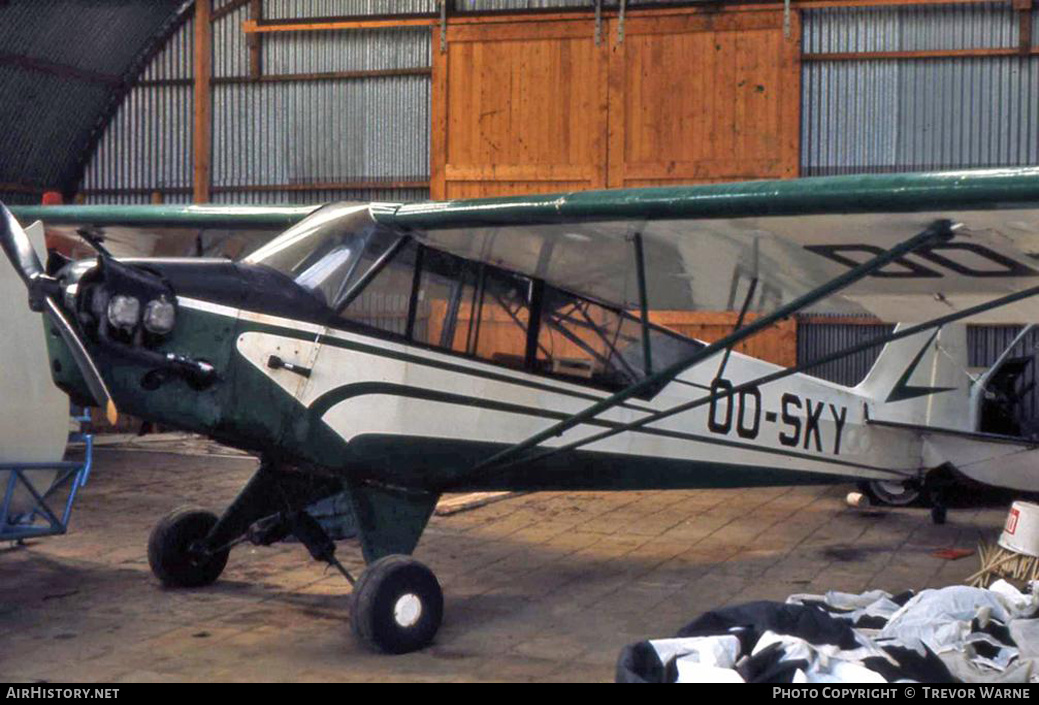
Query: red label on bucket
{"x": 1012, "y": 520}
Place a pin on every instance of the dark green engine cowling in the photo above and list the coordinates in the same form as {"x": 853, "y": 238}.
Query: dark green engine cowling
{"x": 64, "y": 372}
{"x": 191, "y": 378}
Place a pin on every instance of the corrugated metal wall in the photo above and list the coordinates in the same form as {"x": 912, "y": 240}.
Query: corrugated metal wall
{"x": 857, "y": 115}
{"x": 148, "y": 144}
{"x": 916, "y": 114}
{"x": 334, "y": 131}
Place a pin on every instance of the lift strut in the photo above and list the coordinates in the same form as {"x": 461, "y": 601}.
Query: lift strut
{"x": 780, "y": 374}
{"x": 939, "y": 231}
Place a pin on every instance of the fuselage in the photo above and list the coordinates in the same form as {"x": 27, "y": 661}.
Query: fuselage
{"x": 411, "y": 414}
{"x": 355, "y": 401}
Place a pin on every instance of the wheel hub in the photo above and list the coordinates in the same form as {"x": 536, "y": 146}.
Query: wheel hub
{"x": 894, "y": 489}
{"x": 407, "y": 610}
{"x": 197, "y": 555}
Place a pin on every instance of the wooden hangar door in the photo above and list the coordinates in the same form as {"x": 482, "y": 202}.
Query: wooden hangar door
{"x": 518, "y": 107}
{"x": 704, "y": 97}
{"x": 534, "y": 104}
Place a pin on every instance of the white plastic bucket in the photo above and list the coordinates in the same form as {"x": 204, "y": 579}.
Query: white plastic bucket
{"x": 1021, "y": 532}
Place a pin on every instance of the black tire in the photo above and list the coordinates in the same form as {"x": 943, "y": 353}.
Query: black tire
{"x": 169, "y": 550}
{"x": 892, "y": 494}
{"x": 397, "y": 605}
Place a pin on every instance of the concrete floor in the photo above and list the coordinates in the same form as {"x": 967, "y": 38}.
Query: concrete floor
{"x": 545, "y": 586}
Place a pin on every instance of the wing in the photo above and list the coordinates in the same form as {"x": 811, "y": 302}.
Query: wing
{"x": 164, "y": 231}
{"x": 704, "y": 244}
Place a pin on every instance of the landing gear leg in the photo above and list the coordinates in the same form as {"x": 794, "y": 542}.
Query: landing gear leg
{"x": 934, "y": 487}
{"x": 190, "y": 547}
{"x": 397, "y": 604}
{"x": 939, "y": 512}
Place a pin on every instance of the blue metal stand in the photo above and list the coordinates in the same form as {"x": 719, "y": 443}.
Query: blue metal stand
{"x": 70, "y": 473}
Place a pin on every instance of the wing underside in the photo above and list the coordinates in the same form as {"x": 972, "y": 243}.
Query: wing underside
{"x": 164, "y": 231}
{"x": 705, "y": 244}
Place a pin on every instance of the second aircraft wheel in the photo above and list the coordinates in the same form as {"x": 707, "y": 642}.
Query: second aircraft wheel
{"x": 894, "y": 493}
{"x": 173, "y": 554}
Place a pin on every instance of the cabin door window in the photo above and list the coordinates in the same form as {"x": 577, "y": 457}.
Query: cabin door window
{"x": 472, "y": 308}
{"x": 584, "y": 340}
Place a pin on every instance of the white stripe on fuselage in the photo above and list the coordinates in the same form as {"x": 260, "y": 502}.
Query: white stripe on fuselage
{"x": 208, "y": 307}
{"x": 869, "y": 452}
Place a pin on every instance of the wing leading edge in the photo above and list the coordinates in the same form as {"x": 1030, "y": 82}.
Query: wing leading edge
{"x": 167, "y": 216}
{"x": 164, "y": 230}
{"x": 703, "y": 244}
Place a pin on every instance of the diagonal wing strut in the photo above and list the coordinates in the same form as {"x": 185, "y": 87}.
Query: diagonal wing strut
{"x": 774, "y": 376}
{"x": 939, "y": 231}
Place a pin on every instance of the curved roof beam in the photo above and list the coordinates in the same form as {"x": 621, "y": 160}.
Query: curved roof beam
{"x": 70, "y": 183}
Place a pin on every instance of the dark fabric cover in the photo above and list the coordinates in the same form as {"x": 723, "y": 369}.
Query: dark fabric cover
{"x": 911, "y": 666}
{"x": 639, "y": 663}
{"x": 809, "y": 622}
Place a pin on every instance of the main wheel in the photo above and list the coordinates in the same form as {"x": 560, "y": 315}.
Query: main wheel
{"x": 891, "y": 493}
{"x": 173, "y": 554}
{"x": 397, "y": 605}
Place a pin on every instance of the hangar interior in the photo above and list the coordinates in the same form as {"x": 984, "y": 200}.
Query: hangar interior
{"x": 118, "y": 107}
{"x": 306, "y": 102}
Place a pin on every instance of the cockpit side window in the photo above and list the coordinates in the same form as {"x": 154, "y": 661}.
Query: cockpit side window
{"x": 443, "y": 301}
{"x": 474, "y": 309}
{"x": 582, "y": 339}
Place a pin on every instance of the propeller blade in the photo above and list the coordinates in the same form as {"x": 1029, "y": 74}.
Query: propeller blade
{"x": 87, "y": 368}
{"x": 18, "y": 248}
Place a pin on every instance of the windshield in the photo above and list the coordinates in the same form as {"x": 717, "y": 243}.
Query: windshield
{"x": 437, "y": 299}
{"x": 327, "y": 251}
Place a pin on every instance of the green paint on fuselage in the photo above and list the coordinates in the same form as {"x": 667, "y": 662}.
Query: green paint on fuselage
{"x": 174, "y": 402}
{"x": 64, "y": 371}
{"x": 245, "y": 409}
